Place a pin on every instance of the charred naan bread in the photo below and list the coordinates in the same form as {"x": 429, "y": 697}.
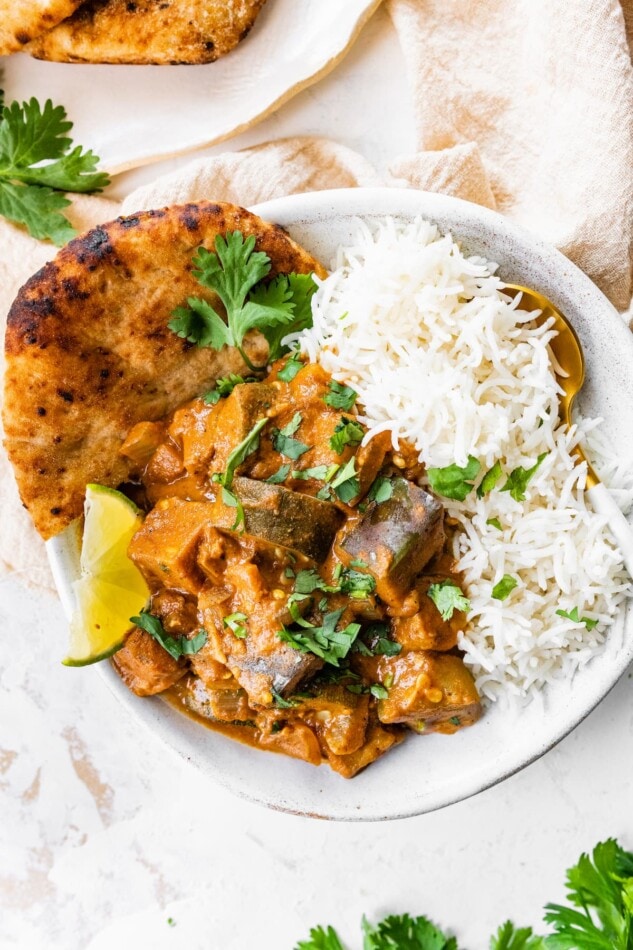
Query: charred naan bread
{"x": 149, "y": 31}
{"x": 89, "y": 352}
{"x": 23, "y": 20}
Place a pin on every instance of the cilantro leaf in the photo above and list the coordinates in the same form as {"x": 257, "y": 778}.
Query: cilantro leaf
{"x": 320, "y": 472}
{"x": 280, "y": 475}
{"x": 509, "y": 937}
{"x": 601, "y": 885}
{"x": 38, "y": 164}
{"x": 518, "y": 479}
{"x": 200, "y": 324}
{"x": 378, "y": 691}
{"x": 448, "y": 598}
{"x": 321, "y": 939}
{"x": 489, "y": 480}
{"x": 347, "y": 432}
{"x": 454, "y": 481}
{"x": 504, "y": 587}
{"x": 381, "y": 489}
{"x": 347, "y": 484}
{"x": 574, "y": 616}
{"x": 356, "y": 584}
{"x": 291, "y": 367}
{"x": 285, "y": 444}
{"x": 340, "y": 396}
{"x": 237, "y": 625}
{"x": 495, "y": 523}
{"x": 325, "y": 641}
{"x": 247, "y": 446}
{"x": 300, "y": 288}
{"x": 225, "y": 386}
{"x": 175, "y": 646}
{"x": 282, "y": 703}
{"x": 406, "y": 933}
{"x": 380, "y": 644}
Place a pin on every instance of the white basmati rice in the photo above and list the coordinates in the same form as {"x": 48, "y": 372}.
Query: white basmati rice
{"x": 440, "y": 356}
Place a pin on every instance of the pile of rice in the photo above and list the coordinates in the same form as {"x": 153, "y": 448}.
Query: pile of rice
{"x": 441, "y": 357}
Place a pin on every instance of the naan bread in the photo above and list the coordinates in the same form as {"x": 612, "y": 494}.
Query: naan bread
{"x": 23, "y": 20}
{"x": 89, "y": 352}
{"x": 149, "y": 31}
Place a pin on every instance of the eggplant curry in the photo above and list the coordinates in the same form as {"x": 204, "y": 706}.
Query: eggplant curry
{"x": 304, "y": 568}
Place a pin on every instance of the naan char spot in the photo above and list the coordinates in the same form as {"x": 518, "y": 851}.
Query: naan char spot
{"x": 23, "y": 20}
{"x": 89, "y": 352}
{"x": 149, "y": 32}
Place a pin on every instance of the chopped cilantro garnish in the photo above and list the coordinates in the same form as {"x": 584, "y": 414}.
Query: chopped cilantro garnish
{"x": 504, "y": 587}
{"x": 489, "y": 480}
{"x": 518, "y": 479}
{"x": 325, "y": 641}
{"x": 454, "y": 481}
{"x": 284, "y": 443}
{"x": 290, "y": 368}
{"x": 237, "y": 625}
{"x": 340, "y": 396}
{"x": 448, "y": 598}
{"x": 347, "y": 432}
{"x": 356, "y": 584}
{"x": 575, "y": 617}
{"x": 381, "y": 490}
{"x": 175, "y": 646}
{"x": 378, "y": 691}
{"x": 247, "y": 446}
{"x": 282, "y": 703}
{"x": 495, "y": 523}
{"x": 320, "y": 472}
{"x": 347, "y": 484}
{"x": 225, "y": 386}
{"x": 280, "y": 475}
{"x": 235, "y": 272}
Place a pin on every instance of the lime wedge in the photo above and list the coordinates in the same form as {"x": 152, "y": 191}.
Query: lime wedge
{"x": 111, "y": 589}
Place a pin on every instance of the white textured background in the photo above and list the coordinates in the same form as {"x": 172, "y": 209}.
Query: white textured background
{"x": 104, "y": 834}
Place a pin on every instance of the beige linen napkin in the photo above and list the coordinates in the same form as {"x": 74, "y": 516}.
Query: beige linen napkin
{"x": 485, "y": 76}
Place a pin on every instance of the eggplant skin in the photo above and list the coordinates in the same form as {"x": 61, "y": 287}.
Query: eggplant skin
{"x": 158, "y": 32}
{"x": 23, "y": 20}
{"x": 89, "y": 353}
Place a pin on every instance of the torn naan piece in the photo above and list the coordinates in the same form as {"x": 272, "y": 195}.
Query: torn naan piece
{"x": 89, "y": 353}
{"x": 159, "y": 32}
{"x": 23, "y": 20}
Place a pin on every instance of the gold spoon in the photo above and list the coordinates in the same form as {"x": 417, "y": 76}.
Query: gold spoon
{"x": 567, "y": 350}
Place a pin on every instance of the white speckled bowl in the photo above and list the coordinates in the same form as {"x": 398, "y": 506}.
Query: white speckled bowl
{"x": 424, "y": 773}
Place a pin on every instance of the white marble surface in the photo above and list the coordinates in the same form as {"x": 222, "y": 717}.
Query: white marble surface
{"x": 105, "y": 835}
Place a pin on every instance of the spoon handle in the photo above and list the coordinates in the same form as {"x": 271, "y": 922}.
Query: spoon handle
{"x": 604, "y": 504}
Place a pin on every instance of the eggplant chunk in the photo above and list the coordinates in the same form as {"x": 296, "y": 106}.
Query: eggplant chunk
{"x": 426, "y": 630}
{"x": 166, "y": 545}
{"x": 396, "y": 539}
{"x": 235, "y": 417}
{"x": 378, "y": 741}
{"x": 144, "y": 666}
{"x": 260, "y": 662}
{"x": 298, "y": 522}
{"x": 433, "y": 692}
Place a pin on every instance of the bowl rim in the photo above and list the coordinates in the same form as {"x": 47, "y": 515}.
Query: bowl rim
{"x": 366, "y": 203}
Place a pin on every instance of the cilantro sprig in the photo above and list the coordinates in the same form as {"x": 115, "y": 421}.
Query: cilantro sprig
{"x": 598, "y": 915}
{"x": 518, "y": 479}
{"x": 325, "y": 641}
{"x": 175, "y": 646}
{"x": 38, "y": 164}
{"x": 235, "y": 271}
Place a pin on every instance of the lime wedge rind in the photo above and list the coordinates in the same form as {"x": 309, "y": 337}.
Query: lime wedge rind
{"x": 111, "y": 589}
